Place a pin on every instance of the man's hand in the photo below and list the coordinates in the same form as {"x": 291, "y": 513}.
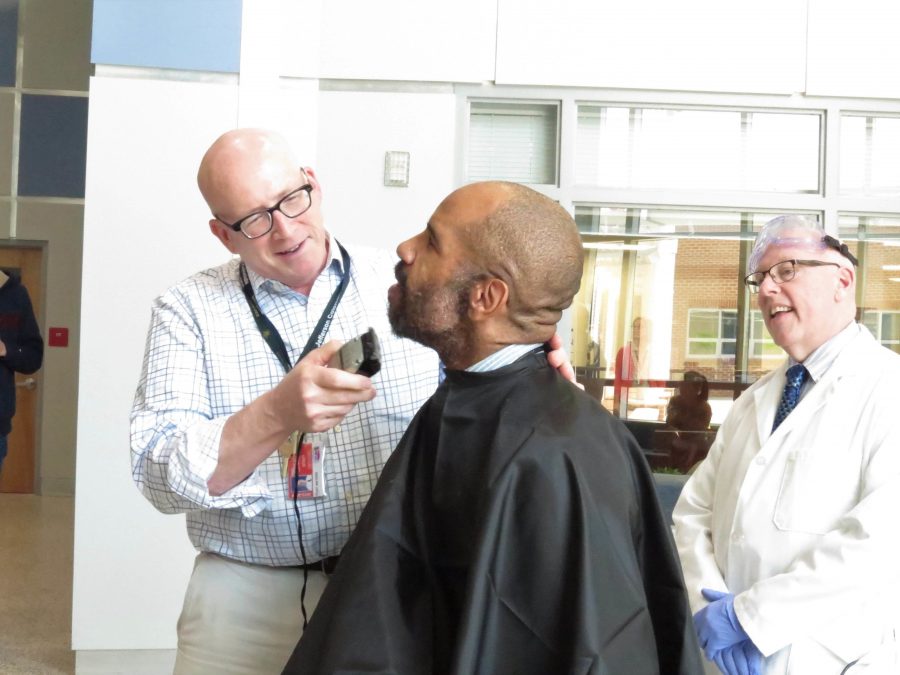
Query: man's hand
{"x": 558, "y": 358}
{"x": 310, "y": 398}
{"x": 313, "y": 397}
{"x": 740, "y": 659}
{"x": 2, "y": 348}
{"x": 717, "y": 625}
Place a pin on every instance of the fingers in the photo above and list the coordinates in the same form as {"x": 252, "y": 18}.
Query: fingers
{"x": 740, "y": 659}
{"x": 754, "y": 658}
{"x": 728, "y": 662}
{"x": 313, "y": 397}
{"x": 558, "y": 359}
{"x": 718, "y": 659}
{"x": 322, "y": 355}
{"x": 327, "y": 419}
{"x": 311, "y": 371}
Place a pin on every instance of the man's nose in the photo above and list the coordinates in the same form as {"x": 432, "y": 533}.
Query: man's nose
{"x": 768, "y": 286}
{"x": 281, "y": 222}
{"x": 406, "y": 251}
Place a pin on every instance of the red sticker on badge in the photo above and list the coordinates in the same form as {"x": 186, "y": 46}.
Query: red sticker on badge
{"x": 300, "y": 474}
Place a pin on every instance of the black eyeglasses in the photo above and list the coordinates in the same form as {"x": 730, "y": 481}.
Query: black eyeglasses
{"x": 260, "y": 223}
{"x": 780, "y": 272}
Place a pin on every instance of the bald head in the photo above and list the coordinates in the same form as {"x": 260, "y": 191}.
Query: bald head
{"x": 251, "y": 180}
{"x": 531, "y": 243}
{"x": 237, "y": 156}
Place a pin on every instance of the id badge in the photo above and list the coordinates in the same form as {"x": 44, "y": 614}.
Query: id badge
{"x": 305, "y": 473}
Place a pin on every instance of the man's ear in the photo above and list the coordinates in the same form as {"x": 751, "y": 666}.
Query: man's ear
{"x": 312, "y": 177}
{"x": 223, "y": 234}
{"x": 846, "y": 275}
{"x": 487, "y": 298}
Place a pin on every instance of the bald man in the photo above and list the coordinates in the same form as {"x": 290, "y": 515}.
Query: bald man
{"x": 515, "y": 529}
{"x": 787, "y": 531}
{"x": 223, "y": 386}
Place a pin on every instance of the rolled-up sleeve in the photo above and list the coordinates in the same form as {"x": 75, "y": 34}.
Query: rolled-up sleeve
{"x": 174, "y": 433}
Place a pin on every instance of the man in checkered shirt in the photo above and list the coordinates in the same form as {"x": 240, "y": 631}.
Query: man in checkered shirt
{"x": 214, "y": 403}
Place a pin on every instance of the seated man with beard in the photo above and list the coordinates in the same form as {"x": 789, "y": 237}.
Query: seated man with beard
{"x": 515, "y": 529}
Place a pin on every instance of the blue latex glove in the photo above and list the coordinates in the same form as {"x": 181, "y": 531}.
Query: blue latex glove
{"x": 740, "y": 659}
{"x": 716, "y": 624}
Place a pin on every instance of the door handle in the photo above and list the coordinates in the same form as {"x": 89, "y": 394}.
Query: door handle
{"x": 28, "y": 383}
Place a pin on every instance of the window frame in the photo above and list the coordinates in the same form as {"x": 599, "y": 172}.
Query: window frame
{"x": 513, "y": 107}
{"x": 893, "y": 344}
{"x": 719, "y": 341}
{"x": 828, "y": 205}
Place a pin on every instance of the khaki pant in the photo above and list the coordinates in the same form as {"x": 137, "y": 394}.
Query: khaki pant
{"x": 242, "y": 619}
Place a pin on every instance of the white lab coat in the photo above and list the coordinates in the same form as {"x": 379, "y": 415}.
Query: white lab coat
{"x": 803, "y": 525}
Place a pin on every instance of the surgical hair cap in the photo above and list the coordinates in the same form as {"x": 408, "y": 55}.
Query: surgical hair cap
{"x": 791, "y": 230}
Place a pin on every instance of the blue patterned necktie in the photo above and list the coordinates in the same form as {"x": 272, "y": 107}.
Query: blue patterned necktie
{"x": 796, "y": 375}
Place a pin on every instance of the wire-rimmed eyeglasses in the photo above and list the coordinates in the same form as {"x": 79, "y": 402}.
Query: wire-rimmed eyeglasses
{"x": 781, "y": 272}
{"x": 260, "y": 223}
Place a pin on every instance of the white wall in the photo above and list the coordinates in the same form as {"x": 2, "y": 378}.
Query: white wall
{"x": 357, "y": 128}
{"x": 145, "y": 228}
{"x": 692, "y": 45}
{"x": 853, "y": 48}
{"x": 408, "y": 40}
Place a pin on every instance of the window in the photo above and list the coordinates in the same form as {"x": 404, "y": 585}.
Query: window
{"x": 712, "y": 332}
{"x": 885, "y": 326}
{"x": 697, "y": 149}
{"x": 761, "y": 344}
{"x": 513, "y": 141}
{"x": 668, "y": 190}
{"x": 869, "y": 149}
{"x": 875, "y": 241}
{"x": 675, "y": 269}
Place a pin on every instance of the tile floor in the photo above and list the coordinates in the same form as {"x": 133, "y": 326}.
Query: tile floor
{"x": 36, "y": 585}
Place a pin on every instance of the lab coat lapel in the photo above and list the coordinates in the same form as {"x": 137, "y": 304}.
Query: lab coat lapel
{"x": 806, "y": 409}
{"x": 766, "y": 399}
{"x": 846, "y": 365}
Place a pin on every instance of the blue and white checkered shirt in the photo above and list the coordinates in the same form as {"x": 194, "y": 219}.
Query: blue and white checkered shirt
{"x": 502, "y": 357}
{"x": 205, "y": 360}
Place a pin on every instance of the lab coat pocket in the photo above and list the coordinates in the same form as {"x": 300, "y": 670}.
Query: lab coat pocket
{"x": 817, "y": 489}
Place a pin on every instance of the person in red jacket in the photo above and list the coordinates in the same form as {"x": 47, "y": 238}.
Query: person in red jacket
{"x": 632, "y": 364}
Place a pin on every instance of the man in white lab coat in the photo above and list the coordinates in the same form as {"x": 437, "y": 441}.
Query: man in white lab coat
{"x": 788, "y": 531}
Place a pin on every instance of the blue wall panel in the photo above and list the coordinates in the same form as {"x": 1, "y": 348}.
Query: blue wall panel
{"x": 52, "y": 146}
{"x": 180, "y": 34}
{"x": 9, "y": 22}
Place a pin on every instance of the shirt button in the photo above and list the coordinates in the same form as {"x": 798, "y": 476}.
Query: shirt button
{"x": 737, "y": 538}
{"x": 760, "y": 460}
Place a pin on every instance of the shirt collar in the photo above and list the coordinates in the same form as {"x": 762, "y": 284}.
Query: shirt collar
{"x": 504, "y": 357}
{"x": 821, "y": 359}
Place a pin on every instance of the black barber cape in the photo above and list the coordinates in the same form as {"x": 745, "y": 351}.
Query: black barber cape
{"x": 515, "y": 530}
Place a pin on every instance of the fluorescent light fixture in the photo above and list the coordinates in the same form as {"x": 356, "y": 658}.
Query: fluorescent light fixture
{"x": 891, "y": 268}
{"x": 897, "y": 279}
